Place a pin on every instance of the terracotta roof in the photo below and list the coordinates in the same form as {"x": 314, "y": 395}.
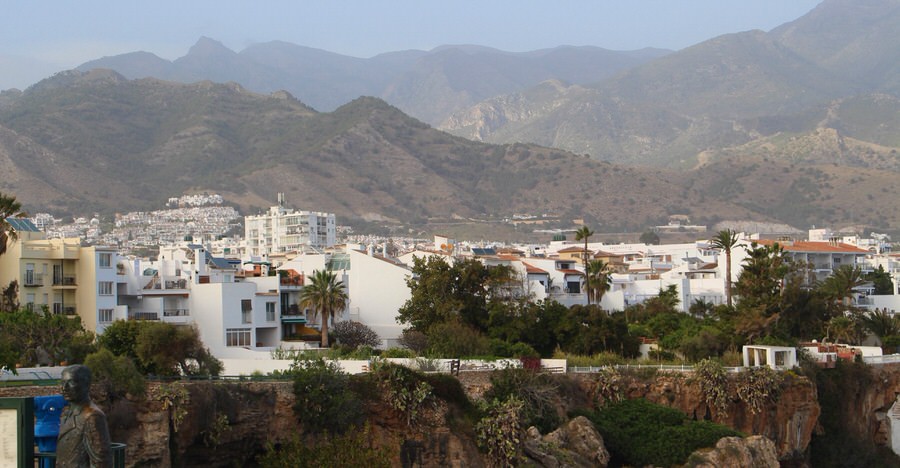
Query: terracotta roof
{"x": 602, "y": 253}
{"x": 808, "y": 246}
{"x": 508, "y": 257}
{"x": 572, "y": 249}
{"x": 572, "y": 272}
{"x": 533, "y": 269}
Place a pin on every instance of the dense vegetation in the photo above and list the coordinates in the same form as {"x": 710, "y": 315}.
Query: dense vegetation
{"x": 640, "y": 433}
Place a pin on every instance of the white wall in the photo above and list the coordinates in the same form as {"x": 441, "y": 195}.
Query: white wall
{"x": 377, "y": 290}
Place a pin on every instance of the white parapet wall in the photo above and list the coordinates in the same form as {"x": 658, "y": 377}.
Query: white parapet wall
{"x": 247, "y": 367}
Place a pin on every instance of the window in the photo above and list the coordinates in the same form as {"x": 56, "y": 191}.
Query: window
{"x": 237, "y": 337}
{"x": 105, "y": 260}
{"x": 270, "y": 311}
{"x": 105, "y": 315}
{"x": 105, "y": 288}
{"x": 246, "y": 311}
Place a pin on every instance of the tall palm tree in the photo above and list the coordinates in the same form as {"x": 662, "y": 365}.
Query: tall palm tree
{"x": 9, "y": 208}
{"x": 839, "y": 286}
{"x": 326, "y": 296}
{"x": 881, "y": 323}
{"x": 725, "y": 240}
{"x": 584, "y": 233}
{"x": 600, "y": 279}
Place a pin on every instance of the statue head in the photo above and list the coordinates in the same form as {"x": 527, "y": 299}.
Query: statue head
{"x": 76, "y": 384}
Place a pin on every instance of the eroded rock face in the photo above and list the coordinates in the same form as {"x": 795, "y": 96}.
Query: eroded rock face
{"x": 789, "y": 422}
{"x": 574, "y": 444}
{"x": 735, "y": 452}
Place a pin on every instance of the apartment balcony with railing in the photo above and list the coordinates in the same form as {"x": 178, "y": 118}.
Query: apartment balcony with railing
{"x": 32, "y": 279}
{"x": 60, "y": 309}
{"x": 64, "y": 281}
{"x": 143, "y": 316}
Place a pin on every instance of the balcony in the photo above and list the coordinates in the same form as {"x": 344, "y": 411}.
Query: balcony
{"x": 59, "y": 309}
{"x": 176, "y": 313}
{"x": 293, "y": 309}
{"x": 33, "y": 279}
{"x": 143, "y": 316}
{"x": 64, "y": 281}
{"x": 176, "y": 284}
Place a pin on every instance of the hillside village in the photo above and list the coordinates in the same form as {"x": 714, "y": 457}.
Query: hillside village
{"x": 243, "y": 293}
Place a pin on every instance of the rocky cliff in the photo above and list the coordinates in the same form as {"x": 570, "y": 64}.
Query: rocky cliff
{"x": 223, "y": 423}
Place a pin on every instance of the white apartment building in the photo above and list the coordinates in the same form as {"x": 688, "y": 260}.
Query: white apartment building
{"x": 282, "y": 230}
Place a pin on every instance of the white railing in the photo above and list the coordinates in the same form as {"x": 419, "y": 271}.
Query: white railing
{"x": 661, "y": 367}
{"x": 877, "y": 360}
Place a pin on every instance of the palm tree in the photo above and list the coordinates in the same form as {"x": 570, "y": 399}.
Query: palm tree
{"x": 881, "y": 323}
{"x": 9, "y": 208}
{"x": 726, "y": 239}
{"x": 326, "y": 296}
{"x": 584, "y": 233}
{"x": 600, "y": 279}
{"x": 839, "y": 286}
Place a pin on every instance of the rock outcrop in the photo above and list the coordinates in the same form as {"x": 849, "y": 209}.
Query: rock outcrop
{"x": 574, "y": 444}
{"x": 735, "y": 452}
{"x": 789, "y": 422}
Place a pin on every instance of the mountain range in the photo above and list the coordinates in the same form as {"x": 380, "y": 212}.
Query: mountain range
{"x": 799, "y": 125}
{"x": 428, "y": 85}
{"x": 724, "y": 92}
{"x": 95, "y": 141}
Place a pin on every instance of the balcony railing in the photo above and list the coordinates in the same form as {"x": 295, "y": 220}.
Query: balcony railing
{"x": 64, "y": 281}
{"x": 176, "y": 284}
{"x": 292, "y": 309}
{"x": 33, "y": 279}
{"x": 176, "y": 312}
{"x": 143, "y": 316}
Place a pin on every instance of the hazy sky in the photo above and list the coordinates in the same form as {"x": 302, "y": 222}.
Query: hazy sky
{"x": 39, "y": 35}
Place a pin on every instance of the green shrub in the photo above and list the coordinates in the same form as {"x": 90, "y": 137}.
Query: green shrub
{"x": 406, "y": 390}
{"x": 324, "y": 400}
{"x": 713, "y": 382}
{"x": 500, "y": 431}
{"x": 448, "y": 388}
{"x": 355, "y": 448}
{"x": 759, "y": 386}
{"x": 538, "y": 391}
{"x": 454, "y": 339}
{"x": 641, "y": 433}
{"x": 117, "y": 374}
{"x": 354, "y": 334}
{"x": 506, "y": 349}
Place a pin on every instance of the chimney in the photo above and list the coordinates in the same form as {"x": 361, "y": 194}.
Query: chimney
{"x": 384, "y": 250}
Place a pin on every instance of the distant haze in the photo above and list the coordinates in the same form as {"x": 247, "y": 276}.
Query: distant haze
{"x": 37, "y": 39}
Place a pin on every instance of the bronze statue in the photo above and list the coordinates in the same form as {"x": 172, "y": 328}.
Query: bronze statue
{"x": 83, "y": 434}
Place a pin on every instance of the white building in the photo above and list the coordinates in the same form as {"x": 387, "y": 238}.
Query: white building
{"x": 282, "y": 230}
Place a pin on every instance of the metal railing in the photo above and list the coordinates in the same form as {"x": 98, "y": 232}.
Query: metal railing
{"x": 143, "y": 316}
{"x": 176, "y": 312}
{"x": 64, "y": 281}
{"x": 33, "y": 279}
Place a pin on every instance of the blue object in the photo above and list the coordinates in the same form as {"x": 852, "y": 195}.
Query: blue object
{"x": 47, "y": 412}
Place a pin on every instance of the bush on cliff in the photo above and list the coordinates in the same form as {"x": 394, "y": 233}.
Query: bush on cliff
{"x": 539, "y": 392}
{"x": 324, "y": 399}
{"x": 641, "y": 433}
{"x": 355, "y": 448}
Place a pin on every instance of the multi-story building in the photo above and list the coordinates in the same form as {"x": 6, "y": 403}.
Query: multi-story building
{"x": 233, "y": 309}
{"x": 282, "y": 230}
{"x": 61, "y": 275}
